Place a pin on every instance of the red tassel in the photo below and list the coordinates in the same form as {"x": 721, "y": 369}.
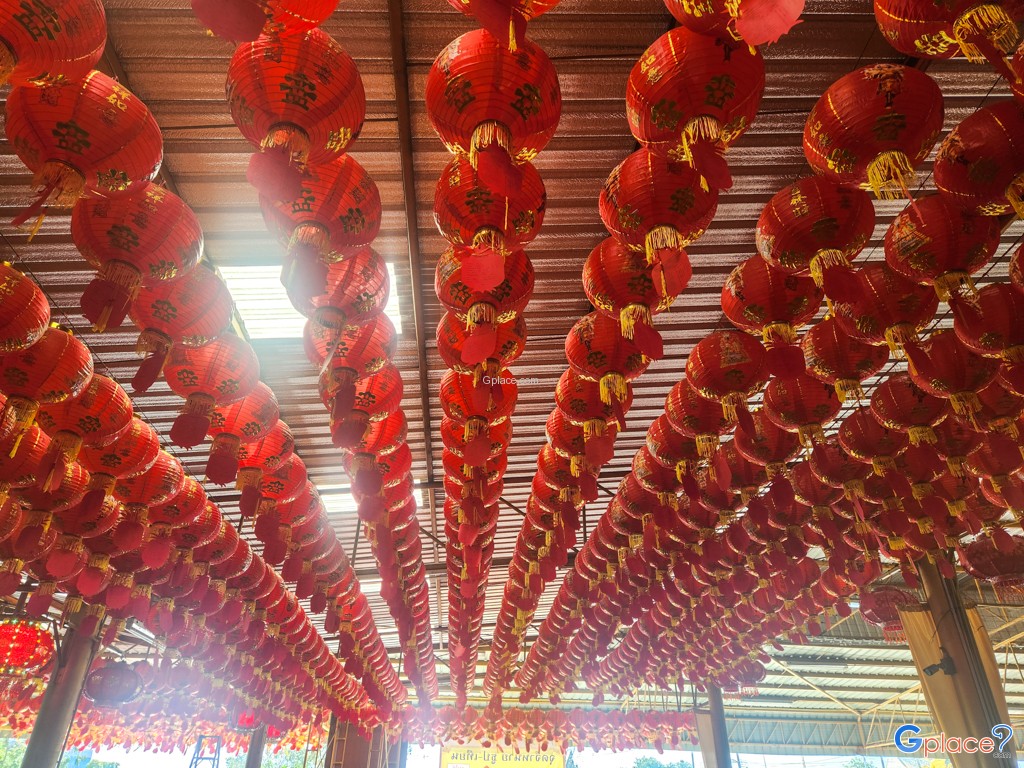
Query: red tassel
{"x": 709, "y": 161}
{"x": 344, "y": 400}
{"x": 600, "y": 449}
{"x": 467, "y": 534}
{"x": 497, "y": 170}
{"x": 368, "y": 481}
{"x": 671, "y": 272}
{"x": 234, "y": 20}
{"x": 765, "y": 21}
{"x": 479, "y": 344}
{"x": 52, "y": 469}
{"x": 841, "y": 284}
{"x": 292, "y": 568}
{"x": 304, "y": 585}
{"x": 478, "y": 449}
{"x": 303, "y": 274}
{"x": 249, "y": 500}
{"x": 1002, "y": 540}
{"x": 128, "y": 535}
{"x": 332, "y": 623}
{"x": 349, "y": 433}
{"x": 649, "y": 341}
{"x": 745, "y": 420}
{"x": 156, "y": 552}
{"x": 273, "y": 174}
{"x": 483, "y": 270}
{"x": 189, "y": 429}
{"x": 149, "y": 371}
{"x": 723, "y": 474}
{"x": 39, "y": 604}
{"x": 9, "y": 582}
{"x": 222, "y": 467}
{"x": 105, "y": 304}
{"x": 318, "y": 602}
{"x": 588, "y": 486}
{"x": 502, "y": 21}
{"x": 785, "y": 361}
{"x": 274, "y": 552}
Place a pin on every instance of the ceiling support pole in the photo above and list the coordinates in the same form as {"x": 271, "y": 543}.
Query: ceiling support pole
{"x": 60, "y": 700}
{"x": 258, "y": 739}
{"x": 712, "y": 733}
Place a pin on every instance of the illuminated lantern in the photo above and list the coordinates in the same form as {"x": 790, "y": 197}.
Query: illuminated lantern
{"x": 483, "y": 311}
{"x": 651, "y": 205}
{"x": 936, "y": 242}
{"x": 697, "y": 417}
{"x": 377, "y": 397}
{"x": 767, "y": 444}
{"x": 245, "y": 20}
{"x": 803, "y": 405}
{"x": 85, "y": 137}
{"x": 597, "y": 351}
{"x": 873, "y": 127}
{"x": 300, "y": 100}
{"x": 26, "y": 647}
{"x": 880, "y": 306}
{"x": 58, "y": 367}
{"x": 336, "y": 213}
{"x": 483, "y": 361}
{"x": 898, "y": 403}
{"x": 351, "y": 352}
{"x": 756, "y": 23}
{"x": 498, "y": 107}
{"x": 113, "y": 684}
{"x": 690, "y": 96}
{"x": 352, "y": 291}
{"x": 246, "y": 420}
{"x": 727, "y": 366}
{"x": 865, "y": 439}
{"x": 192, "y": 311}
{"x": 979, "y": 164}
{"x": 96, "y": 417}
{"x": 24, "y": 313}
{"x": 765, "y": 301}
{"x": 836, "y": 358}
{"x": 942, "y": 366}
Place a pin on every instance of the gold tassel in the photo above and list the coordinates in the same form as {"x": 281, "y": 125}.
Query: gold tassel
{"x": 151, "y": 341}
{"x": 576, "y": 465}
{"x": 593, "y": 428}
{"x": 955, "y": 283}
{"x": 613, "y": 385}
{"x": 898, "y": 335}
{"x": 920, "y": 435}
{"x": 488, "y": 133}
{"x": 809, "y": 434}
{"x": 965, "y": 403}
{"x": 703, "y": 128}
{"x": 1015, "y": 195}
{"x": 853, "y": 489}
{"x": 846, "y": 388}
{"x": 957, "y": 508}
{"x": 313, "y": 235}
{"x": 630, "y": 315}
{"x": 731, "y": 405}
{"x": 956, "y": 465}
{"x": 67, "y": 183}
{"x": 890, "y": 175}
{"x": 491, "y": 238}
{"x": 991, "y": 21}
{"x": 778, "y": 333}
{"x": 481, "y": 313}
{"x": 825, "y": 258}
{"x": 682, "y": 470}
{"x": 706, "y": 445}
{"x": 7, "y": 63}
{"x": 662, "y": 236}
{"x": 921, "y": 490}
{"x": 883, "y": 464}
{"x": 292, "y": 138}
{"x": 1013, "y": 354}
{"x": 473, "y": 427}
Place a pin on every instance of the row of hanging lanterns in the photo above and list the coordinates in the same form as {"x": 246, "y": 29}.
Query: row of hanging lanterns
{"x": 297, "y": 96}
{"x": 493, "y": 97}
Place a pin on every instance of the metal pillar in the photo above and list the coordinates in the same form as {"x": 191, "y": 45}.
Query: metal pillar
{"x": 254, "y": 757}
{"x": 60, "y": 701}
{"x": 975, "y": 703}
{"x": 712, "y": 733}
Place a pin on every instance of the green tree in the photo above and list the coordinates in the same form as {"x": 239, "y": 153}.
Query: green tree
{"x": 859, "y": 761}
{"x": 11, "y": 752}
{"x": 286, "y": 758}
{"x": 653, "y": 762}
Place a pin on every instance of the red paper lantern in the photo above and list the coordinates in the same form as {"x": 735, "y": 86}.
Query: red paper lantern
{"x": 979, "y": 164}
{"x": 300, "y": 100}
{"x": 803, "y": 405}
{"x": 257, "y": 457}
{"x": 999, "y": 408}
{"x": 727, "y": 366}
{"x": 134, "y": 452}
{"x": 239, "y": 20}
{"x": 182, "y": 509}
{"x": 833, "y": 467}
{"x": 765, "y": 301}
{"x": 58, "y": 367}
{"x": 690, "y": 96}
{"x": 497, "y": 107}
{"x": 352, "y": 291}
{"x": 898, "y": 403}
{"x": 24, "y": 312}
{"x": 505, "y": 19}
{"x": 20, "y": 458}
{"x": 192, "y": 310}
{"x": 766, "y": 444}
{"x": 218, "y": 373}
{"x": 942, "y": 366}
{"x": 597, "y": 351}
{"x": 880, "y": 606}
{"x": 836, "y": 358}
{"x": 246, "y": 420}
{"x": 754, "y": 22}
{"x": 657, "y": 207}
{"x": 580, "y": 401}
{"x": 44, "y": 45}
{"x": 483, "y": 360}
{"x": 873, "y": 127}
{"x": 697, "y": 417}
{"x": 97, "y": 417}
{"x": 936, "y": 242}
{"x": 982, "y": 559}
{"x": 157, "y": 485}
{"x": 26, "y": 647}
{"x": 85, "y": 137}
{"x": 990, "y": 324}
{"x": 377, "y": 396}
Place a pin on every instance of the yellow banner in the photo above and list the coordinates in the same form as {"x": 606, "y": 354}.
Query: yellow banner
{"x": 478, "y": 757}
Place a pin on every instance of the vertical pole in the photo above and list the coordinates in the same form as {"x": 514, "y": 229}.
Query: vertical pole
{"x": 60, "y": 701}
{"x": 254, "y": 757}
{"x": 712, "y": 733}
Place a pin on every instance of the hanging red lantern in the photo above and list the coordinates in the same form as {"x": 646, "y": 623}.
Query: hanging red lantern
{"x": 44, "y": 45}
{"x": 936, "y": 242}
{"x": 377, "y": 396}
{"x": 460, "y": 354}
{"x": 999, "y": 409}
{"x": 257, "y": 457}
{"x": 766, "y": 444}
{"x": 25, "y": 312}
{"x": 300, "y": 100}
{"x": 192, "y": 310}
{"x": 873, "y": 127}
{"x": 996, "y": 457}
{"x": 246, "y": 420}
{"x": 20, "y": 458}
{"x": 727, "y": 366}
{"x": 580, "y": 401}
{"x": 765, "y": 301}
{"x": 833, "y": 467}
{"x": 352, "y": 291}
{"x": 865, "y": 439}
{"x": 351, "y": 352}
{"x": 85, "y": 137}
{"x": 498, "y": 107}
{"x": 989, "y": 324}
{"x": 690, "y": 96}
{"x": 880, "y": 606}
{"x": 898, "y": 403}
{"x": 596, "y": 350}
{"x": 134, "y": 452}
{"x": 982, "y": 559}
{"x": 245, "y": 20}
{"x": 58, "y": 367}
{"x": 96, "y": 417}
{"x": 26, "y": 647}
{"x": 753, "y": 21}
{"x": 697, "y": 417}
{"x": 954, "y": 440}
{"x": 836, "y": 358}
{"x": 181, "y": 509}
{"x": 943, "y": 366}
{"x": 880, "y": 306}
{"x": 215, "y": 374}
{"x": 803, "y": 405}
{"x": 657, "y": 207}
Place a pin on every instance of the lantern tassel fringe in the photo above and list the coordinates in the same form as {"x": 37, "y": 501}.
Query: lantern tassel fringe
{"x": 992, "y": 23}
{"x": 630, "y": 315}
{"x": 890, "y": 175}
{"x": 955, "y": 284}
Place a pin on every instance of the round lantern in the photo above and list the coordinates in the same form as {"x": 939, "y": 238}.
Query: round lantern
{"x": 979, "y": 164}
{"x": 936, "y": 242}
{"x": 765, "y": 301}
{"x": 192, "y": 311}
{"x": 753, "y": 22}
{"x": 836, "y": 358}
{"x": 880, "y": 606}
{"x": 597, "y": 350}
{"x": 697, "y": 417}
{"x": 880, "y": 306}
{"x": 24, "y": 312}
{"x": 766, "y": 444}
{"x": 990, "y": 324}
{"x": 58, "y": 367}
{"x": 727, "y": 366}
{"x": 580, "y": 401}
{"x": 216, "y": 374}
{"x": 690, "y": 96}
{"x": 377, "y": 397}
{"x": 134, "y": 452}
{"x": 257, "y": 457}
{"x": 245, "y": 20}
{"x": 803, "y": 405}
{"x": 112, "y": 684}
{"x": 498, "y": 107}
{"x": 300, "y": 99}
{"x": 351, "y": 291}
{"x": 943, "y": 366}
{"x": 865, "y": 439}
{"x": 898, "y": 403}
{"x": 873, "y": 127}
{"x": 657, "y": 207}
{"x": 504, "y": 19}
{"x": 48, "y": 45}
{"x": 246, "y": 420}
{"x": 483, "y": 359}
{"x": 813, "y": 224}
{"x": 26, "y": 647}
{"x": 139, "y": 239}
{"x": 90, "y": 136}
{"x": 982, "y": 559}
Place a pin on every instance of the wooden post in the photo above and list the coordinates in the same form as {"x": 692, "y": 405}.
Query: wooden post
{"x": 712, "y": 733}
{"x": 254, "y": 757}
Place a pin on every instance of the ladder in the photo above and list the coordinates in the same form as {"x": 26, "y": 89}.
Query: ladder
{"x": 200, "y": 760}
